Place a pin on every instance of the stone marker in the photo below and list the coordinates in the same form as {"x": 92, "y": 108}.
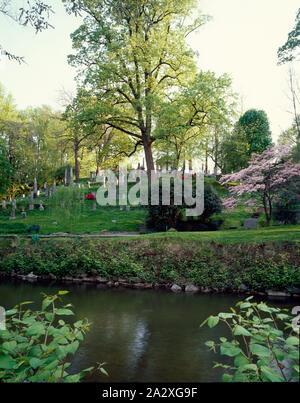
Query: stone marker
{"x": 31, "y": 205}
{"x": 41, "y": 207}
{"x": 250, "y": 223}
{"x": 127, "y": 208}
{"x": 94, "y": 206}
{"x": 34, "y": 187}
{"x": 3, "y": 204}
{"x": 14, "y": 204}
{"x": 46, "y": 192}
{"x": 23, "y": 213}
{"x": 38, "y": 193}
{"x": 54, "y": 186}
{"x": 121, "y": 208}
{"x": 13, "y": 215}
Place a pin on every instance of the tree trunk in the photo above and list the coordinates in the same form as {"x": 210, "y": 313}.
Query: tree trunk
{"x": 147, "y": 143}
{"x": 76, "y": 155}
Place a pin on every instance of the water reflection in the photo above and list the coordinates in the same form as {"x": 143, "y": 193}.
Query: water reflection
{"x": 144, "y": 336}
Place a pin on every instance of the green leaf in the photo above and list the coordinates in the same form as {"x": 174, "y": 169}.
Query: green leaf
{"x": 240, "y": 360}
{"x": 36, "y": 362}
{"x": 9, "y": 346}
{"x": 225, "y": 315}
{"x": 259, "y": 350}
{"x": 227, "y": 378}
{"x": 72, "y": 348}
{"x": 103, "y": 371}
{"x": 11, "y": 312}
{"x": 240, "y": 330}
{"x": 229, "y": 349}
{"x": 64, "y": 312}
{"x": 6, "y": 362}
{"x": 63, "y": 292}
{"x": 210, "y": 343}
{"x": 271, "y": 374}
{"x": 213, "y": 321}
{"x": 245, "y": 305}
{"x": 292, "y": 341}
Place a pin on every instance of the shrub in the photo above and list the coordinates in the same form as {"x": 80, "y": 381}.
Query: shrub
{"x": 286, "y": 207}
{"x": 260, "y": 350}
{"x": 36, "y": 345}
{"x": 163, "y": 217}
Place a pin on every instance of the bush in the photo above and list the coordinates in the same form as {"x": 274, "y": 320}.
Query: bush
{"x": 36, "y": 345}
{"x": 286, "y": 207}
{"x": 260, "y": 350}
{"x": 162, "y": 218}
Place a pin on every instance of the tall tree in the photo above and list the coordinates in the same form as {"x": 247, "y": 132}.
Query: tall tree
{"x": 130, "y": 54}
{"x": 255, "y": 125}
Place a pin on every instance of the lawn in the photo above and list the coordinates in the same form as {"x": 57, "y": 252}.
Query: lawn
{"x": 272, "y": 234}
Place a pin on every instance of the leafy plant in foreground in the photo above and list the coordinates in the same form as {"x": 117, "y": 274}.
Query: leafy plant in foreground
{"x": 36, "y": 346}
{"x": 262, "y": 351}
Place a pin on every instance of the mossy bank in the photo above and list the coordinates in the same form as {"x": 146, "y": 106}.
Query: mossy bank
{"x": 147, "y": 263}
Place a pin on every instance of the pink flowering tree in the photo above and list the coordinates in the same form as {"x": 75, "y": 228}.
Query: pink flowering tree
{"x": 259, "y": 183}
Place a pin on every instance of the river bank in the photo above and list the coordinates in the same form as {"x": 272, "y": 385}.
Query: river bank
{"x": 259, "y": 269}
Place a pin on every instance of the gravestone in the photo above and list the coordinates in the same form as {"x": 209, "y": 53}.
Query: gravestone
{"x": 23, "y": 196}
{"x": 46, "y": 192}
{"x": 71, "y": 175}
{"x": 88, "y": 184}
{"x": 31, "y": 205}
{"x": 250, "y": 223}
{"x": 94, "y": 206}
{"x": 3, "y": 204}
{"x": 50, "y": 193}
{"x": 127, "y": 208}
{"x": 41, "y": 207}
{"x": 13, "y": 215}
{"x": 121, "y": 208}
{"x": 92, "y": 176}
{"x": 54, "y": 186}
{"x": 23, "y": 213}
{"x": 38, "y": 193}
{"x": 14, "y": 204}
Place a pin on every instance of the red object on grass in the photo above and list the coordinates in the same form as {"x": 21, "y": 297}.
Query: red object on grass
{"x": 90, "y": 196}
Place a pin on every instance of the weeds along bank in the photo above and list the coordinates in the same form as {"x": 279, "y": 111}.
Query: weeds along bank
{"x": 147, "y": 263}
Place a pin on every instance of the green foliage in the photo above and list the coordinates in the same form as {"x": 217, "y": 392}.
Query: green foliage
{"x": 288, "y": 51}
{"x": 37, "y": 345}
{"x": 258, "y": 267}
{"x": 264, "y": 345}
{"x": 255, "y": 125}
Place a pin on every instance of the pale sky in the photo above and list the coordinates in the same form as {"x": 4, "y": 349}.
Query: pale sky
{"x": 242, "y": 40}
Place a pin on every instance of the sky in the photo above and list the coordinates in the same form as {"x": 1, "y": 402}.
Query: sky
{"x": 241, "y": 39}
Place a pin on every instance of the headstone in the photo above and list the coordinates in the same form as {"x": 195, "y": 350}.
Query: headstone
{"x": 121, "y": 208}
{"x": 3, "y": 204}
{"x": 54, "y": 186}
{"x": 127, "y": 208}
{"x": 88, "y": 184}
{"x": 13, "y": 215}
{"x": 250, "y": 223}
{"x": 14, "y": 204}
{"x": 23, "y": 196}
{"x": 38, "y": 193}
{"x": 94, "y": 206}
{"x": 23, "y": 213}
{"x": 46, "y": 192}
{"x": 49, "y": 193}
{"x": 34, "y": 187}
{"x": 41, "y": 207}
{"x": 92, "y": 176}
{"x": 71, "y": 175}
{"x": 45, "y": 185}
{"x": 31, "y": 205}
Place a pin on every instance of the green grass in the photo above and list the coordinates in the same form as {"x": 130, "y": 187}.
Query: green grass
{"x": 271, "y": 234}
{"x": 88, "y": 221}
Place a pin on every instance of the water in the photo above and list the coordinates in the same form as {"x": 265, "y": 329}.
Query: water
{"x": 143, "y": 336}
